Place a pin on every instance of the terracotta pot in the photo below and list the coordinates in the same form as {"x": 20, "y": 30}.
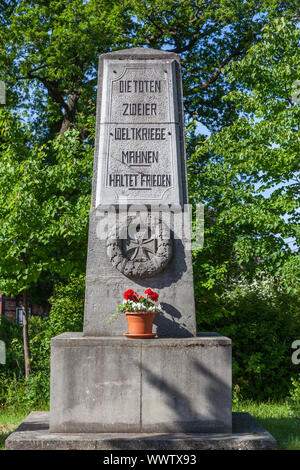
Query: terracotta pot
{"x": 140, "y": 324}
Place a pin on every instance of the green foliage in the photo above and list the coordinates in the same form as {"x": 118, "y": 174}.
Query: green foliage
{"x": 9, "y": 420}
{"x": 142, "y": 305}
{"x": 66, "y": 315}
{"x": 247, "y": 274}
{"x": 49, "y": 51}
{"x": 239, "y": 63}
{"x": 247, "y": 174}
{"x": 294, "y": 398}
{"x": 67, "y": 307}
{"x": 20, "y": 393}
{"x": 262, "y": 320}
{"x": 53, "y": 47}
{"x": 277, "y": 419}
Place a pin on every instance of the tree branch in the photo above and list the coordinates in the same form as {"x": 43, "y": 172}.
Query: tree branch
{"x": 215, "y": 75}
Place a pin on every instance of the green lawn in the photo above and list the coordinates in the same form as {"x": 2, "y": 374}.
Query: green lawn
{"x": 277, "y": 418}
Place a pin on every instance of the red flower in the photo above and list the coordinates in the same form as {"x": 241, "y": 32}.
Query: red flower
{"x": 151, "y": 295}
{"x": 141, "y": 297}
{"x": 130, "y": 295}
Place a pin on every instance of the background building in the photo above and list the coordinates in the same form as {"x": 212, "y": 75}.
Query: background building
{"x": 10, "y": 308}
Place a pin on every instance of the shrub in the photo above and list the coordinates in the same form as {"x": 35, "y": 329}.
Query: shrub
{"x": 11, "y": 334}
{"x": 67, "y": 307}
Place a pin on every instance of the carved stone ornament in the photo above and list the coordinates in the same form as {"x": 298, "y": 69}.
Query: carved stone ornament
{"x": 140, "y": 248}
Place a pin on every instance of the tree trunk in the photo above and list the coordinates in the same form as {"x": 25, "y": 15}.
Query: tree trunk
{"x": 25, "y": 335}
{"x": 69, "y": 117}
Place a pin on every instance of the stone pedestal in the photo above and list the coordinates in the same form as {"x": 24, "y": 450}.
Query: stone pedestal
{"x": 115, "y": 384}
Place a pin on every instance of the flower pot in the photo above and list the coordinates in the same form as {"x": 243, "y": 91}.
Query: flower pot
{"x": 140, "y": 325}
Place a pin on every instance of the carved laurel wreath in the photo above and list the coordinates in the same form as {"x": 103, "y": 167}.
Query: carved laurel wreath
{"x": 134, "y": 266}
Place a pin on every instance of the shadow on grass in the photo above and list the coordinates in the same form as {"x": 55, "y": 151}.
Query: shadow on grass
{"x": 286, "y": 430}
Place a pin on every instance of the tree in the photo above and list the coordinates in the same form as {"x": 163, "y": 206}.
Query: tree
{"x": 49, "y": 51}
{"x": 43, "y": 213}
{"x": 257, "y": 153}
{"x": 247, "y": 276}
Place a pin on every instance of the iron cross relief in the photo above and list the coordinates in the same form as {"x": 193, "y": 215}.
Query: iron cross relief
{"x": 140, "y": 248}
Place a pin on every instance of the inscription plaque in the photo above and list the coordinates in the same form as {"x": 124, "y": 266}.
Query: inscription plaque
{"x": 140, "y": 140}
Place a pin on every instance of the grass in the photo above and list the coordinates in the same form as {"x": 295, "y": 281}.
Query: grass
{"x": 277, "y": 418}
{"x": 11, "y": 417}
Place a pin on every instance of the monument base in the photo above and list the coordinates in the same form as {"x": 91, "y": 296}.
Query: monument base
{"x": 33, "y": 434}
{"x": 120, "y": 385}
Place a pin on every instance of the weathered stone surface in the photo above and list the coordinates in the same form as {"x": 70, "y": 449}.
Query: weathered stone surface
{"x": 103, "y": 384}
{"x": 187, "y": 388}
{"x": 95, "y": 386}
{"x": 148, "y": 78}
{"x": 33, "y": 434}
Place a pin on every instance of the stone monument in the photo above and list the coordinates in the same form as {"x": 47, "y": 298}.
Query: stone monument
{"x": 139, "y": 161}
{"x": 102, "y": 382}
{"x": 135, "y": 393}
